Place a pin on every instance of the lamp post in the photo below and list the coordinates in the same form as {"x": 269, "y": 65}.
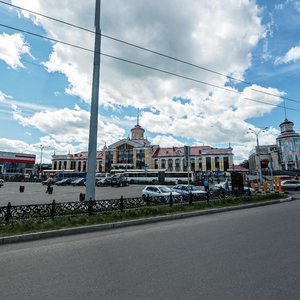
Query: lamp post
{"x": 42, "y": 148}
{"x": 257, "y": 132}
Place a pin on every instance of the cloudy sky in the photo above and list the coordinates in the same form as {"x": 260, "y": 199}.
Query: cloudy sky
{"x": 244, "y": 61}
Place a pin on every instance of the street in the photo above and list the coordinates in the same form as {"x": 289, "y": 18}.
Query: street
{"x": 245, "y": 254}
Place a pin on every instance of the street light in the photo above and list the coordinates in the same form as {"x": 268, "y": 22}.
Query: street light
{"x": 257, "y": 132}
{"x": 42, "y": 147}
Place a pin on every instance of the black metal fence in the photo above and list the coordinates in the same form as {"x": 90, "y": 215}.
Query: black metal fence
{"x": 44, "y": 211}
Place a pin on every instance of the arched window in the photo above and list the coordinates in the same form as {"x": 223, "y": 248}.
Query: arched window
{"x": 177, "y": 165}
{"x": 170, "y": 164}
{"x": 163, "y": 163}
{"x": 192, "y": 164}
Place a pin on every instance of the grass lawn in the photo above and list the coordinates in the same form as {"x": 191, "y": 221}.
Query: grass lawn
{"x": 39, "y": 225}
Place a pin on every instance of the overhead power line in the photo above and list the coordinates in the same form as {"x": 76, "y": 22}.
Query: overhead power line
{"x": 146, "y": 66}
{"x": 153, "y": 52}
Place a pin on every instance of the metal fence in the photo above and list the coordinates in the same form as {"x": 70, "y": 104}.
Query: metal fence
{"x": 44, "y": 211}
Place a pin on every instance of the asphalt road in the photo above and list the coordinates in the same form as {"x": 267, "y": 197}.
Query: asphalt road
{"x": 246, "y": 254}
{"x": 34, "y": 193}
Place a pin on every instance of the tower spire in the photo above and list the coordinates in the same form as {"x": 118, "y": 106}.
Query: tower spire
{"x": 284, "y": 109}
{"x": 138, "y": 117}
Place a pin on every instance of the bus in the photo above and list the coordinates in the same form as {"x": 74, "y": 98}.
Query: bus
{"x": 62, "y": 174}
{"x": 158, "y": 176}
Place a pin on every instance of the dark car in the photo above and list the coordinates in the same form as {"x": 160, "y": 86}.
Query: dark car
{"x": 119, "y": 180}
{"x": 78, "y": 181}
{"x": 103, "y": 181}
{"x": 66, "y": 181}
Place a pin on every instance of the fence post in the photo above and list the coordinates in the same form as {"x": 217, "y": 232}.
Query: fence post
{"x": 190, "y": 198}
{"x": 148, "y": 200}
{"x": 122, "y": 204}
{"x": 171, "y": 199}
{"x": 53, "y": 209}
{"x": 207, "y": 195}
{"x": 8, "y": 212}
{"x": 90, "y": 207}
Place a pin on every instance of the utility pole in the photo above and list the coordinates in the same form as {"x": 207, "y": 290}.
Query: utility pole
{"x": 92, "y": 150}
{"x": 258, "y": 154}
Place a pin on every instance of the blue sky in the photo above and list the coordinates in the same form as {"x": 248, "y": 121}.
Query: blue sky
{"x": 45, "y": 86}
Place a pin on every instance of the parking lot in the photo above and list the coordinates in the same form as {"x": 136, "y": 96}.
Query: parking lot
{"x": 35, "y": 193}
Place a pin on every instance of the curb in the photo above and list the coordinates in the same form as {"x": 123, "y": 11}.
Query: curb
{"x": 101, "y": 227}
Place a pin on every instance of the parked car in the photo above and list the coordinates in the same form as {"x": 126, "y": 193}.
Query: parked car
{"x": 290, "y": 184}
{"x": 119, "y": 180}
{"x": 78, "y": 181}
{"x": 66, "y": 181}
{"x": 186, "y": 189}
{"x": 158, "y": 191}
{"x": 104, "y": 181}
{"x": 53, "y": 180}
{"x": 1, "y": 182}
{"x": 229, "y": 187}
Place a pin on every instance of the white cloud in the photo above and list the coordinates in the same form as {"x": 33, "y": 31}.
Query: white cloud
{"x": 3, "y": 96}
{"x": 70, "y": 126}
{"x": 166, "y": 141}
{"x": 208, "y": 33}
{"x": 12, "y": 47}
{"x": 292, "y": 55}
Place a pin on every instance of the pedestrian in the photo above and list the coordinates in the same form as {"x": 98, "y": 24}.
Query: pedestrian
{"x": 48, "y": 183}
{"x": 218, "y": 180}
{"x": 206, "y": 185}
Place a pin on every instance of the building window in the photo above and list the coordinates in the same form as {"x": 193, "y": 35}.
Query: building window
{"x": 170, "y": 164}
{"x": 79, "y": 166}
{"x": 108, "y": 160}
{"x": 193, "y": 164}
{"x": 125, "y": 154}
{"x": 73, "y": 165}
{"x": 200, "y": 163}
{"x": 156, "y": 164}
{"x": 59, "y": 165}
{"x": 226, "y": 163}
{"x": 163, "y": 163}
{"x": 217, "y": 162}
{"x": 84, "y": 166}
{"x": 185, "y": 165}
{"x": 55, "y": 165}
{"x": 177, "y": 165}
{"x": 140, "y": 158}
{"x": 208, "y": 163}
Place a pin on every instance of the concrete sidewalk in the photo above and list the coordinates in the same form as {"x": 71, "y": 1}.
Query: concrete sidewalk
{"x": 100, "y": 227}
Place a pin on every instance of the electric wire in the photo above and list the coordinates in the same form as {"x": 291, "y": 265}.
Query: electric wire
{"x": 145, "y": 66}
{"x": 153, "y": 52}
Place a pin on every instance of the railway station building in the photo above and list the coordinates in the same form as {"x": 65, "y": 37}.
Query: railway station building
{"x": 136, "y": 152}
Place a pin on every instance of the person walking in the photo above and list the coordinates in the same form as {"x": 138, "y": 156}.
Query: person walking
{"x": 48, "y": 183}
{"x": 206, "y": 185}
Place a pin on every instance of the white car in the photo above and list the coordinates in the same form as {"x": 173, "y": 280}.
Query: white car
{"x": 229, "y": 187}
{"x": 158, "y": 191}
{"x": 290, "y": 184}
{"x": 186, "y": 189}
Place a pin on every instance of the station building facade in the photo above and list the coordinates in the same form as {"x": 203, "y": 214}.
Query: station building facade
{"x": 136, "y": 152}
